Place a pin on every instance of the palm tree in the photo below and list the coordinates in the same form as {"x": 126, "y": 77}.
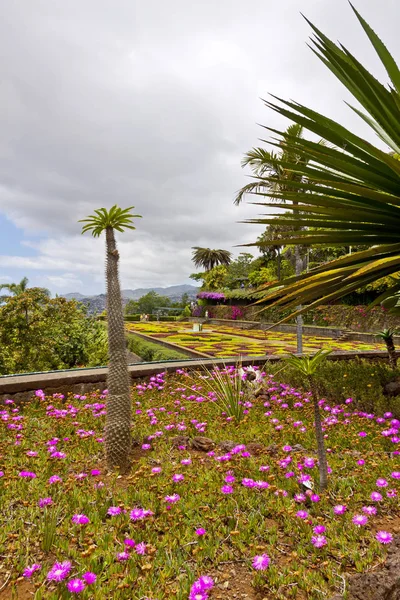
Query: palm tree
{"x": 308, "y": 366}
{"x": 350, "y": 189}
{"x": 17, "y": 289}
{"x": 387, "y": 336}
{"x": 119, "y": 410}
{"x": 272, "y": 176}
{"x": 208, "y": 259}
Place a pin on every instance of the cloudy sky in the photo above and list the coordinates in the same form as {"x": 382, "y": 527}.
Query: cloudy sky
{"x": 153, "y": 104}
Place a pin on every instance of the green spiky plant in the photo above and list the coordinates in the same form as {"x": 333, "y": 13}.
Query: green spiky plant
{"x": 350, "y": 189}
{"x": 119, "y": 409}
{"x": 308, "y": 366}
{"x": 387, "y": 336}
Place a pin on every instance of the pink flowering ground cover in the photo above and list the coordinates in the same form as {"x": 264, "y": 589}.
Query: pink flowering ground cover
{"x": 167, "y": 530}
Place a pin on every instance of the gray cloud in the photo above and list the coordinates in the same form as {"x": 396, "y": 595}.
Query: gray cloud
{"x": 151, "y": 104}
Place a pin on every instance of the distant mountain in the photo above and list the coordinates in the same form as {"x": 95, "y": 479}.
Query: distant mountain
{"x": 174, "y": 292}
{"x": 96, "y": 304}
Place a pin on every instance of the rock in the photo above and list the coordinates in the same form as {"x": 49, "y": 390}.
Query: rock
{"x": 392, "y": 388}
{"x": 298, "y": 448}
{"x": 272, "y": 449}
{"x": 227, "y": 446}
{"x": 254, "y": 448}
{"x": 180, "y": 440}
{"x": 381, "y": 584}
{"x": 202, "y": 443}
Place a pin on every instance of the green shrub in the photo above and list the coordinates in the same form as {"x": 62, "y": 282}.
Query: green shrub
{"x": 131, "y": 318}
{"x": 151, "y": 351}
{"x": 359, "y": 379}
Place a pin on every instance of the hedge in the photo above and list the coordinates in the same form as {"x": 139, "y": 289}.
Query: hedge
{"x": 151, "y": 351}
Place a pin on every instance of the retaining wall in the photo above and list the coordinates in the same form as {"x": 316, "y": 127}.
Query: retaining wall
{"x": 79, "y": 381}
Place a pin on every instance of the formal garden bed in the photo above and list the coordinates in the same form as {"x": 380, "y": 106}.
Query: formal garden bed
{"x": 207, "y": 496}
{"x": 222, "y": 341}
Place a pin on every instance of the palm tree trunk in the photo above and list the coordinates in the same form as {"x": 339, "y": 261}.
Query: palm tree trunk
{"x": 279, "y": 262}
{"x": 391, "y": 352}
{"x": 323, "y": 465}
{"x": 299, "y": 318}
{"x": 119, "y": 405}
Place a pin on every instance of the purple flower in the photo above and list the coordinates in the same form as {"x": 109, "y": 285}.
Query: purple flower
{"x": 89, "y": 577}
{"x": 200, "y": 531}
{"x": 45, "y": 502}
{"x": 318, "y": 529}
{"x": 384, "y": 537}
{"x": 339, "y": 509}
{"x": 229, "y": 477}
{"x": 381, "y": 482}
{"x": 76, "y": 586}
{"x": 122, "y": 556}
{"x": 315, "y": 498}
{"x": 59, "y": 571}
{"x": 129, "y": 543}
{"x": 318, "y": 541}
{"x": 261, "y": 562}
{"x": 360, "y": 520}
{"x": 138, "y": 514}
{"x": 172, "y": 499}
{"x": 376, "y": 497}
{"x": 156, "y": 470}
{"x": 227, "y": 489}
{"x": 177, "y": 477}
{"x": 302, "y": 514}
{"x": 27, "y": 474}
{"x": 54, "y": 479}
{"x": 248, "y": 482}
{"x": 395, "y": 475}
{"x": 80, "y": 519}
{"x": 29, "y": 571}
{"x": 114, "y": 510}
{"x": 140, "y": 548}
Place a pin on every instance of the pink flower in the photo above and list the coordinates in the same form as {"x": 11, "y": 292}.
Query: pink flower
{"x": 227, "y": 489}
{"x": 229, "y": 477}
{"x": 140, "y": 548}
{"x": 45, "y": 502}
{"x": 59, "y": 571}
{"x": 339, "y": 509}
{"x": 319, "y": 529}
{"x": 177, "y": 477}
{"x": 376, "y": 497}
{"x": 369, "y": 510}
{"x": 29, "y": 571}
{"x": 55, "y": 479}
{"x": 129, "y": 543}
{"x": 395, "y": 475}
{"x": 80, "y": 519}
{"x": 384, "y": 537}
{"x": 114, "y": 510}
{"x": 76, "y": 586}
{"x": 90, "y": 577}
{"x": 360, "y": 520}
{"x": 302, "y": 514}
{"x": 200, "y": 531}
{"x": 122, "y": 556}
{"x": 318, "y": 541}
{"x": 172, "y": 499}
{"x": 156, "y": 470}
{"x": 381, "y": 482}
{"x": 261, "y": 562}
{"x": 138, "y": 514}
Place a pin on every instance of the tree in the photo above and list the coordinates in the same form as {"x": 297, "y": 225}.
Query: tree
{"x": 273, "y": 178}
{"x": 17, "y": 289}
{"x": 350, "y": 189}
{"x": 239, "y": 270}
{"x": 387, "y": 336}
{"x": 57, "y": 335}
{"x": 119, "y": 408}
{"x": 308, "y": 366}
{"x": 208, "y": 259}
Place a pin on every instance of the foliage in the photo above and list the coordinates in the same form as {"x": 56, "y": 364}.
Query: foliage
{"x": 239, "y": 271}
{"x": 208, "y": 259}
{"x": 150, "y": 351}
{"x": 40, "y": 334}
{"x": 226, "y": 389}
{"x": 359, "y": 380}
{"x": 350, "y": 189}
{"x": 147, "y": 304}
{"x": 250, "y": 521}
{"x": 116, "y": 218}
{"x": 16, "y": 289}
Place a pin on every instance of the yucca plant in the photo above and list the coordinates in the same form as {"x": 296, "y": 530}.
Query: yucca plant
{"x": 119, "y": 409}
{"x": 308, "y": 366}
{"x": 227, "y": 385}
{"x": 387, "y": 336}
{"x": 350, "y": 189}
